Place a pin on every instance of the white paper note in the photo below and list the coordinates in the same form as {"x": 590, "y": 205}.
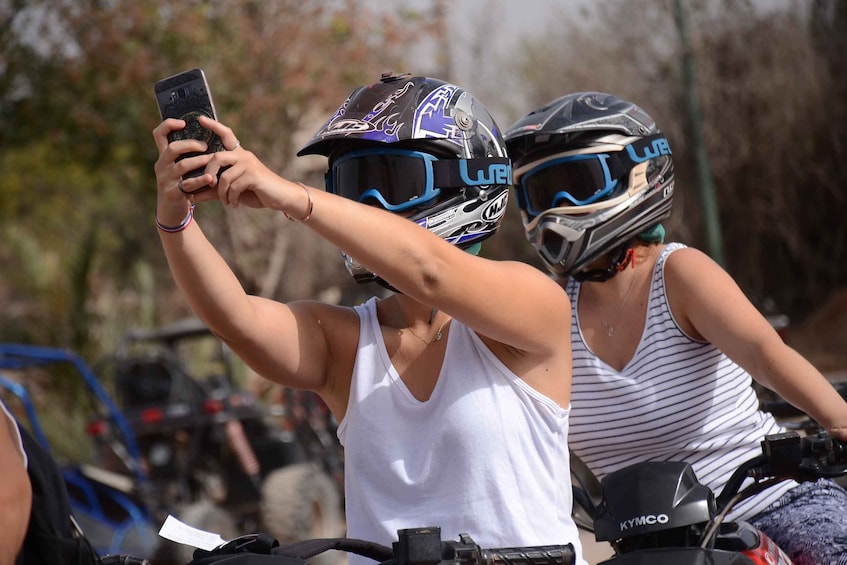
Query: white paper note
{"x": 181, "y": 532}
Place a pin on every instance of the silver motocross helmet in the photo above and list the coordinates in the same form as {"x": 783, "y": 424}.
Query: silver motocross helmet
{"x": 591, "y": 172}
{"x": 421, "y": 147}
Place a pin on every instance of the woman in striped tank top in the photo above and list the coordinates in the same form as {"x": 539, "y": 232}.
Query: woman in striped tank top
{"x": 666, "y": 345}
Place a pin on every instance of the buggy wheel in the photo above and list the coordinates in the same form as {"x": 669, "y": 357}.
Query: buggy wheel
{"x": 206, "y": 515}
{"x": 301, "y": 502}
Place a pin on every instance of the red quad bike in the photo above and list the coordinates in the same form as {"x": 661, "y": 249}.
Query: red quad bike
{"x": 658, "y": 513}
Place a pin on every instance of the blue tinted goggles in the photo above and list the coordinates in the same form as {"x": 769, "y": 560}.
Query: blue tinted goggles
{"x": 400, "y": 179}
{"x": 575, "y": 180}
{"x": 579, "y": 180}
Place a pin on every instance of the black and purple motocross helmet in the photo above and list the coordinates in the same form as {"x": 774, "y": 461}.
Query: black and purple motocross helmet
{"x": 420, "y": 147}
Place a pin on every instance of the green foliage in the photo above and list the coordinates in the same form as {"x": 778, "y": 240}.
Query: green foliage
{"x": 76, "y": 110}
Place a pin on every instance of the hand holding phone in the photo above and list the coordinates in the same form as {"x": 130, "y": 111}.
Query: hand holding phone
{"x": 186, "y": 96}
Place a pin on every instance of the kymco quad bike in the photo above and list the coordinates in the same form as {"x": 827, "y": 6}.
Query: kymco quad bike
{"x": 658, "y": 513}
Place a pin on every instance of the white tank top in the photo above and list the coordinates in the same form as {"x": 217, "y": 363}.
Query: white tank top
{"x": 677, "y": 400}
{"x": 485, "y": 455}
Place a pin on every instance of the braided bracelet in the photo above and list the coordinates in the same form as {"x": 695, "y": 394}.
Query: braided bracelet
{"x": 308, "y": 212}
{"x": 181, "y": 226}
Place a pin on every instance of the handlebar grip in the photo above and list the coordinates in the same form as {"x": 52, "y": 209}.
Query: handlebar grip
{"x": 839, "y": 452}
{"x": 530, "y": 555}
{"x": 821, "y": 456}
{"x": 831, "y": 451}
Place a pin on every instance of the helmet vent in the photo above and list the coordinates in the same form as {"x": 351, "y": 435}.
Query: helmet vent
{"x": 391, "y": 76}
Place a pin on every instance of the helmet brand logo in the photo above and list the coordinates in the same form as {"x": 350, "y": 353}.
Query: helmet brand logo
{"x": 348, "y": 126}
{"x": 658, "y": 147}
{"x": 496, "y": 174}
{"x": 496, "y": 207}
{"x": 646, "y": 520}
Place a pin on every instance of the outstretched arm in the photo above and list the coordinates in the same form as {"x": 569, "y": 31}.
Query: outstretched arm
{"x": 510, "y": 303}
{"x": 705, "y": 298}
{"x": 284, "y": 343}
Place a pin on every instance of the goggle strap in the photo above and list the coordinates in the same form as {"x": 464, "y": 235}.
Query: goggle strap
{"x": 455, "y": 173}
{"x": 617, "y": 169}
{"x": 621, "y": 162}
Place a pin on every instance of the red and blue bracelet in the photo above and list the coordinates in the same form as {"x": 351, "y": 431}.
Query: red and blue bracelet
{"x": 181, "y": 226}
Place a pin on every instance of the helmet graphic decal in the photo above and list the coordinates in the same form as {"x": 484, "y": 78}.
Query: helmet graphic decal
{"x": 433, "y": 117}
{"x": 595, "y": 101}
{"x": 423, "y": 147}
{"x": 658, "y": 147}
{"x": 389, "y": 103}
{"x": 495, "y": 209}
{"x": 379, "y": 124}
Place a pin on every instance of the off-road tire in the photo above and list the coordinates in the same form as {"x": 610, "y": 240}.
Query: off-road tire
{"x": 301, "y": 502}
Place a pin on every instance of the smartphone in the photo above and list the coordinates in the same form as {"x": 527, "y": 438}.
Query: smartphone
{"x": 186, "y": 96}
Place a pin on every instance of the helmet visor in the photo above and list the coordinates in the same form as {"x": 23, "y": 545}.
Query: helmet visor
{"x": 396, "y": 179}
{"x": 574, "y": 180}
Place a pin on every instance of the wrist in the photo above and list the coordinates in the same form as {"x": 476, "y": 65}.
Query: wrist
{"x": 168, "y": 225}
{"x": 310, "y": 205}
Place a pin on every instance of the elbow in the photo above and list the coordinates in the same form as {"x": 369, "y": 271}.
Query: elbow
{"x": 428, "y": 279}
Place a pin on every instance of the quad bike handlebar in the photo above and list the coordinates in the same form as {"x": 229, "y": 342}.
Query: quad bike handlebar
{"x": 414, "y": 546}
{"x": 423, "y": 546}
{"x": 787, "y": 456}
{"x": 784, "y": 456}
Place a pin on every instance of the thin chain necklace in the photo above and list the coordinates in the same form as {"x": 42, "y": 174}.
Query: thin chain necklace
{"x": 610, "y": 328}
{"x": 438, "y": 334}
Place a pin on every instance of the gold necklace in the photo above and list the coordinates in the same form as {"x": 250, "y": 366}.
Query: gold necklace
{"x": 610, "y": 328}
{"x": 438, "y": 334}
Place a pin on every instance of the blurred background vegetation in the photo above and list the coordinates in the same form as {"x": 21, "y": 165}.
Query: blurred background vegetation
{"x": 79, "y": 254}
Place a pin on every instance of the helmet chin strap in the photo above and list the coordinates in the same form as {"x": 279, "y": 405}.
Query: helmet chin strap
{"x": 622, "y": 258}
{"x": 384, "y": 284}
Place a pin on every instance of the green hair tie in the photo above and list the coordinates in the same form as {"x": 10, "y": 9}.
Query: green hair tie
{"x": 475, "y": 248}
{"x": 656, "y": 234}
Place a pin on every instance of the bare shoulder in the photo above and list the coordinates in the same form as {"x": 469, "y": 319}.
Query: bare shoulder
{"x": 687, "y": 256}
{"x": 337, "y": 327}
{"x": 338, "y": 324}
{"x": 692, "y": 268}
{"x": 324, "y": 311}
{"x": 537, "y": 280}
{"x": 701, "y": 294}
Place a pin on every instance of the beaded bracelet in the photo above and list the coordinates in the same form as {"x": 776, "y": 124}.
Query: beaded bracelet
{"x": 308, "y": 212}
{"x": 181, "y": 226}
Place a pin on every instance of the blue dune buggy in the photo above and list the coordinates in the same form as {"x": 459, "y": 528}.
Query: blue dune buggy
{"x": 159, "y": 430}
{"x": 110, "y": 507}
